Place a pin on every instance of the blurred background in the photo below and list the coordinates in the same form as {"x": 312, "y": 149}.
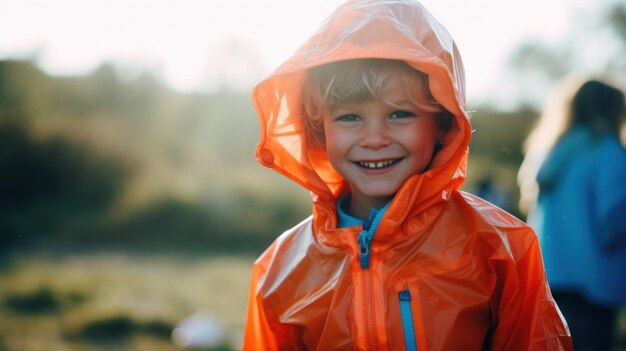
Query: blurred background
{"x": 131, "y": 204}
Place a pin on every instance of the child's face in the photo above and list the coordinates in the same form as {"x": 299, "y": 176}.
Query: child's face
{"x": 377, "y": 145}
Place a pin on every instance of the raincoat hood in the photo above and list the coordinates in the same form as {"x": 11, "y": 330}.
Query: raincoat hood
{"x": 400, "y": 30}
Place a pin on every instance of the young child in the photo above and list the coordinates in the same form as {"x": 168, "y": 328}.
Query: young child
{"x": 369, "y": 115}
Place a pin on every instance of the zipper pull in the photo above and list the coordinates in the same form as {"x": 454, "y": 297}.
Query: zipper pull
{"x": 364, "y": 247}
{"x": 407, "y": 319}
{"x": 370, "y": 226}
{"x": 405, "y": 295}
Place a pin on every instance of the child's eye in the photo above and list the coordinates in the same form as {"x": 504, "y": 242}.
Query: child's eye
{"x": 401, "y": 114}
{"x": 348, "y": 118}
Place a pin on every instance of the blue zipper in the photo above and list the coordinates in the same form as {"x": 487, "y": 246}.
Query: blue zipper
{"x": 367, "y": 234}
{"x": 407, "y": 319}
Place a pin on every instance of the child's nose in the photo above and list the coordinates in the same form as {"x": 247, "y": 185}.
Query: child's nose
{"x": 375, "y": 135}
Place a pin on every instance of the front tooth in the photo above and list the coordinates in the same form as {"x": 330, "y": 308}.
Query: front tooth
{"x": 380, "y": 164}
{"x": 371, "y": 165}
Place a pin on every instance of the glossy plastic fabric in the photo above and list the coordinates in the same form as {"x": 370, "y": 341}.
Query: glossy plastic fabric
{"x": 474, "y": 272}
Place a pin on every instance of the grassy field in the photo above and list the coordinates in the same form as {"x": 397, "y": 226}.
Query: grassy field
{"x": 119, "y": 302}
{"x": 103, "y": 302}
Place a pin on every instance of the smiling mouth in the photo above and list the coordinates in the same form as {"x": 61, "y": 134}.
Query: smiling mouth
{"x": 378, "y": 164}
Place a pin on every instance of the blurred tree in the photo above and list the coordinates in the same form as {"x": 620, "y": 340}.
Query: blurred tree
{"x": 496, "y": 150}
{"x": 100, "y": 160}
{"x": 616, "y": 16}
{"x": 616, "y": 20}
{"x": 51, "y": 186}
{"x": 595, "y": 44}
{"x": 553, "y": 63}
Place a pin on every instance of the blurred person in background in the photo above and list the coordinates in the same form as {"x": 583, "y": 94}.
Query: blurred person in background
{"x": 573, "y": 187}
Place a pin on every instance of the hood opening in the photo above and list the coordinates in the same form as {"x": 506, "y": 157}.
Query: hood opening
{"x": 400, "y": 30}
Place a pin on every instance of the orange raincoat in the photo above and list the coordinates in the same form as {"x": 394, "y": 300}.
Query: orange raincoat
{"x": 473, "y": 271}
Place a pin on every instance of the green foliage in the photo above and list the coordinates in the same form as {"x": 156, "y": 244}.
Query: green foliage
{"x": 40, "y": 301}
{"x": 235, "y": 224}
{"x": 616, "y": 16}
{"x": 13, "y": 95}
{"x": 496, "y": 151}
{"x": 541, "y": 57}
{"x": 72, "y": 150}
{"x": 51, "y": 185}
{"x": 44, "y": 300}
{"x": 117, "y": 330}
{"x": 112, "y": 330}
{"x": 499, "y": 136}
{"x": 537, "y": 65}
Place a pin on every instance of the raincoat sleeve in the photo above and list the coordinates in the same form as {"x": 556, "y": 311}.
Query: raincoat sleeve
{"x": 527, "y": 316}
{"x": 260, "y": 333}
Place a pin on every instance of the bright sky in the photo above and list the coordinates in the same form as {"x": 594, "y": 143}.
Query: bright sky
{"x": 193, "y": 43}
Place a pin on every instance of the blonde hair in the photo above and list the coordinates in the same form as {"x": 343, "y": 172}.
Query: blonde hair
{"x": 360, "y": 80}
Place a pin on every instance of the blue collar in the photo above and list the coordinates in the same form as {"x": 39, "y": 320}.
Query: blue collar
{"x": 368, "y": 230}
{"x": 345, "y": 220}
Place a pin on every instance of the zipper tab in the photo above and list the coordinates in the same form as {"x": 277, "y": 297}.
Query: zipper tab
{"x": 407, "y": 319}
{"x": 405, "y": 295}
{"x": 364, "y": 249}
{"x": 367, "y": 234}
